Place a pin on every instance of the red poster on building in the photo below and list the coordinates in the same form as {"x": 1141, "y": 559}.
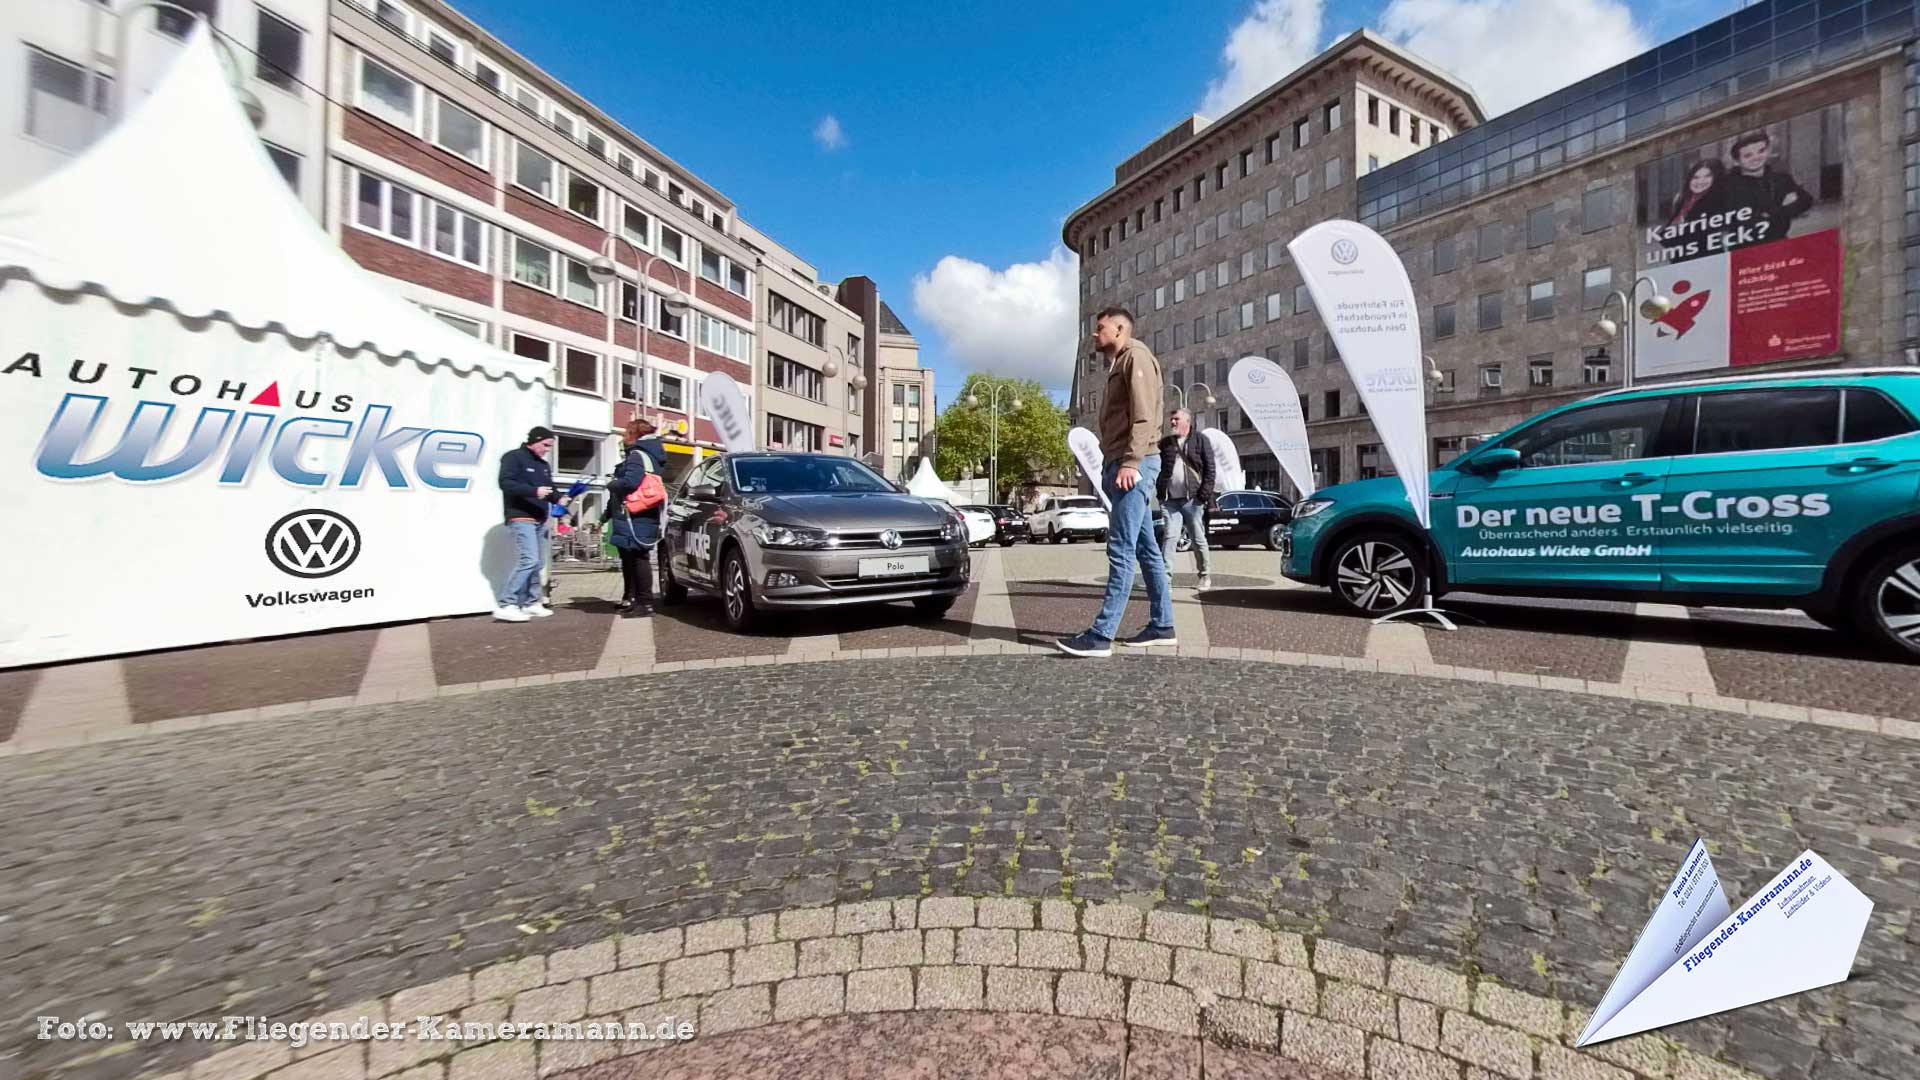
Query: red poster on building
{"x": 1786, "y": 299}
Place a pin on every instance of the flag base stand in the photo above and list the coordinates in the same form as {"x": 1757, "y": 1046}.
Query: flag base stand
{"x": 1443, "y": 618}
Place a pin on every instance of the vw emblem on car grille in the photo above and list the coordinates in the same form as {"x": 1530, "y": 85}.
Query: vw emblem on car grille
{"x": 313, "y": 543}
{"x": 891, "y": 539}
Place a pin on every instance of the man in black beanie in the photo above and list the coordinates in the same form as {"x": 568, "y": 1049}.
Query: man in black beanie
{"x": 526, "y": 489}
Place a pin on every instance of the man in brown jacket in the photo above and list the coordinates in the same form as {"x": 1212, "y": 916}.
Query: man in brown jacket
{"x": 1129, "y": 444}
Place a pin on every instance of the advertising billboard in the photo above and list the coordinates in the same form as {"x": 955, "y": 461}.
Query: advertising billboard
{"x": 1743, "y": 234}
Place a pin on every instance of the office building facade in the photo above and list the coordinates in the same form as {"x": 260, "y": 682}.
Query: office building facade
{"x": 1518, "y": 232}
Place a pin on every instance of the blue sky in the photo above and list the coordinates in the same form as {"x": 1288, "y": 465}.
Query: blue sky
{"x": 971, "y": 130}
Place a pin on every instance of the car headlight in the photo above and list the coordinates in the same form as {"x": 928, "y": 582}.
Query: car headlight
{"x": 1311, "y": 507}
{"x": 789, "y": 536}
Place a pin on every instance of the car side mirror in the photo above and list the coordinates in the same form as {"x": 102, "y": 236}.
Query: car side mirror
{"x": 1494, "y": 461}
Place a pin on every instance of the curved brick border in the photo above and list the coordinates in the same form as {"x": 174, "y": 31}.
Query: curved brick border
{"x": 1317, "y": 1001}
{"x": 1892, "y": 726}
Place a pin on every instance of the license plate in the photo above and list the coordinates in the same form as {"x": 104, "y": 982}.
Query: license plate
{"x": 906, "y": 564}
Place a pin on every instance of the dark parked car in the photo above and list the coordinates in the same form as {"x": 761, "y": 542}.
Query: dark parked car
{"x": 797, "y": 532}
{"x": 1010, "y": 525}
{"x": 1238, "y": 517}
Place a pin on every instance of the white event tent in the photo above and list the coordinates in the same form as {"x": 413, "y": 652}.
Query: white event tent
{"x": 927, "y": 484}
{"x": 221, "y": 427}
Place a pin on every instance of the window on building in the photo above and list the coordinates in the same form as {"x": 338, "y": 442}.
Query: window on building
{"x": 58, "y": 112}
{"x": 1160, "y": 253}
{"x": 1276, "y": 200}
{"x": 1540, "y": 226}
{"x": 1596, "y": 366}
{"x": 673, "y": 244}
{"x": 724, "y": 338}
{"x": 489, "y": 76}
{"x": 1540, "y": 370}
{"x": 532, "y": 264}
{"x": 1302, "y": 132}
{"x": 561, "y": 122}
{"x": 1200, "y": 329}
{"x": 1179, "y": 336}
{"x": 1159, "y": 297}
{"x": 784, "y": 314}
{"x": 1540, "y": 300}
{"x": 1443, "y": 326}
{"x": 1200, "y": 283}
{"x": 1246, "y": 163}
{"x": 1179, "y": 198}
{"x": 1273, "y": 307}
{"x": 287, "y": 162}
{"x": 1595, "y": 286}
{"x": 583, "y": 197}
{"x": 1492, "y": 377}
{"x": 1223, "y": 322}
{"x": 628, "y": 388}
{"x": 1302, "y": 187}
{"x": 786, "y": 434}
{"x": 581, "y": 371}
{"x": 1445, "y": 255}
{"x": 1180, "y": 243}
{"x": 177, "y": 23}
{"x": 459, "y": 235}
{"x": 1159, "y": 341}
{"x": 1373, "y": 162}
{"x": 1302, "y": 299}
{"x": 1223, "y": 224}
{"x": 1393, "y": 120}
{"x": 1246, "y": 315}
{"x": 1332, "y": 350}
{"x": 387, "y": 94}
{"x": 1220, "y": 176}
{"x": 530, "y": 348}
{"x": 1273, "y": 148}
{"x": 387, "y": 208}
{"x": 630, "y": 301}
{"x": 278, "y": 46}
{"x": 1159, "y": 208}
{"x": 795, "y": 378}
{"x": 533, "y": 170}
{"x": 1335, "y": 172}
{"x": 1180, "y": 289}
{"x": 670, "y": 391}
{"x": 575, "y": 454}
{"x": 1220, "y": 369}
{"x": 1373, "y": 110}
{"x": 471, "y": 327}
{"x": 1445, "y": 385}
{"x": 1490, "y": 312}
{"x": 1596, "y": 210}
{"x": 1330, "y": 115}
{"x": 1276, "y": 252}
{"x": 459, "y": 132}
{"x": 443, "y": 47}
{"x": 1413, "y": 129}
{"x": 1251, "y": 212}
{"x": 579, "y": 285}
{"x": 636, "y": 226}
{"x": 1302, "y": 355}
{"x": 1223, "y": 273}
{"x": 1332, "y": 401}
{"x": 1489, "y": 244}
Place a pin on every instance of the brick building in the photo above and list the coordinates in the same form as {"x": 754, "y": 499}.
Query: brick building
{"x": 1516, "y": 231}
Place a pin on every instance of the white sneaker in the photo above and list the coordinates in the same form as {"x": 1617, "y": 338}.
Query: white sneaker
{"x": 509, "y": 613}
{"x": 537, "y": 610}
{"x": 1206, "y": 582}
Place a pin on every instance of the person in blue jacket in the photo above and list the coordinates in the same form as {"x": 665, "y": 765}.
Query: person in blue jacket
{"x": 528, "y": 499}
{"x": 635, "y": 535}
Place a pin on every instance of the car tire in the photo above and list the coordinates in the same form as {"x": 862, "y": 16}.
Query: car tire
{"x": 1276, "y": 535}
{"x": 1100, "y": 537}
{"x": 933, "y": 607}
{"x": 1378, "y": 573}
{"x": 1008, "y": 542}
{"x": 1886, "y": 602}
{"x": 1053, "y": 535}
{"x": 1225, "y": 546}
{"x": 671, "y": 591}
{"x": 736, "y": 593}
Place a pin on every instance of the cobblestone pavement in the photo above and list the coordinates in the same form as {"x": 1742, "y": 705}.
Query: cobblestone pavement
{"x": 290, "y": 866}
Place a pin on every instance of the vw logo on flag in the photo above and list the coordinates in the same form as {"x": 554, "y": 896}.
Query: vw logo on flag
{"x": 313, "y": 543}
{"x": 1345, "y": 252}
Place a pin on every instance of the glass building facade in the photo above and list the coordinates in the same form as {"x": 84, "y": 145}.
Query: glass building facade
{"x": 1746, "y": 52}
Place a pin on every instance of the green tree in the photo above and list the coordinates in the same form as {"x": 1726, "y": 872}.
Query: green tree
{"x": 1033, "y": 438}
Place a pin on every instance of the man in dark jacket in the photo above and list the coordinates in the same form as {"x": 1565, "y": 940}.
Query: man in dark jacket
{"x": 526, "y": 493}
{"x": 1773, "y": 196}
{"x": 1186, "y": 489}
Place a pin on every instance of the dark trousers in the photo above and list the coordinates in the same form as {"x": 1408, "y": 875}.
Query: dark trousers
{"x": 636, "y": 571}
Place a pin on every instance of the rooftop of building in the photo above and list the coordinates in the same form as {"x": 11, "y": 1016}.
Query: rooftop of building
{"x": 890, "y": 323}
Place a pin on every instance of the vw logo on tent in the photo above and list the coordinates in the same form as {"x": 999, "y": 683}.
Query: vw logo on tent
{"x": 1345, "y": 252}
{"x": 313, "y": 543}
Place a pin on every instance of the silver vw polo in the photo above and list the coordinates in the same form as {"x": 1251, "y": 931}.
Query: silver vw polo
{"x": 773, "y": 531}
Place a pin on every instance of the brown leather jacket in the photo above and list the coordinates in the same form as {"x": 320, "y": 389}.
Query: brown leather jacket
{"x": 1130, "y": 420}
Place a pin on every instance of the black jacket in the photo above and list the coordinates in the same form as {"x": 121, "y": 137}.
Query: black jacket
{"x": 1199, "y": 467}
{"x": 1766, "y": 195}
{"x": 522, "y": 472}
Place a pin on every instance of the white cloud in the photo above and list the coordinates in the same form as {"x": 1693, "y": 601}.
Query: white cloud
{"x": 1022, "y": 321}
{"x": 829, "y": 134}
{"x": 1512, "y": 51}
{"x": 1275, "y": 38}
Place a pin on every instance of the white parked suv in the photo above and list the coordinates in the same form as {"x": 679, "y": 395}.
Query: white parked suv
{"x": 1063, "y": 518}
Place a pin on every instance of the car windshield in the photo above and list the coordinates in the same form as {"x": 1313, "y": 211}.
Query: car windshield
{"x": 799, "y": 473}
{"x": 1084, "y": 503}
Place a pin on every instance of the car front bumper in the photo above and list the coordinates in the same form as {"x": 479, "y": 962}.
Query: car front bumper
{"x": 833, "y": 579}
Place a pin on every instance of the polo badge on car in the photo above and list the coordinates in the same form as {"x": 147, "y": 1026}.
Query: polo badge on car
{"x": 890, "y": 539}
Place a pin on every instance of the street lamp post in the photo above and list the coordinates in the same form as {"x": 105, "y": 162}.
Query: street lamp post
{"x": 1606, "y": 329}
{"x": 858, "y": 381}
{"x": 604, "y": 271}
{"x": 123, "y": 41}
{"x": 993, "y": 435}
{"x": 1180, "y": 393}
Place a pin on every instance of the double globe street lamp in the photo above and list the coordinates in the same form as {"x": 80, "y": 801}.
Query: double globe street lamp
{"x": 858, "y": 382}
{"x": 1180, "y": 393}
{"x": 1654, "y": 307}
{"x": 605, "y": 271}
{"x": 993, "y": 435}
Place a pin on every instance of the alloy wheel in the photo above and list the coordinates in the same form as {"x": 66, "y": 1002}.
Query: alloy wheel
{"x": 1898, "y": 603}
{"x": 1374, "y": 575}
{"x": 736, "y": 590}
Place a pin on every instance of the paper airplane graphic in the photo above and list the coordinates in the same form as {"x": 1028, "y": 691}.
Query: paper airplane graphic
{"x": 1697, "y": 957}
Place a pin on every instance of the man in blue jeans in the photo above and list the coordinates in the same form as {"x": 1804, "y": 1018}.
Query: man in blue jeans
{"x": 1129, "y": 444}
{"x": 526, "y": 495}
